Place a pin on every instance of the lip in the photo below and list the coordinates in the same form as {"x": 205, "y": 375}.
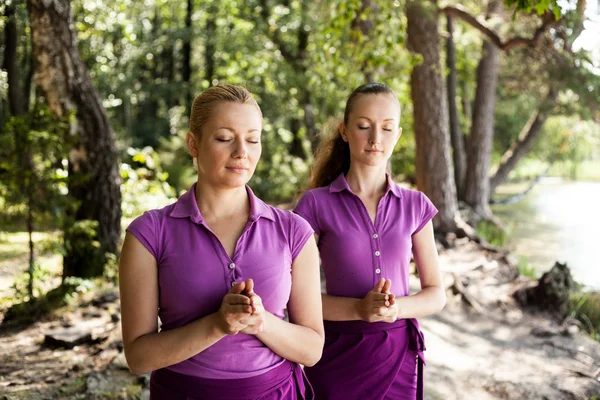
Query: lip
{"x": 374, "y": 151}
{"x": 237, "y": 169}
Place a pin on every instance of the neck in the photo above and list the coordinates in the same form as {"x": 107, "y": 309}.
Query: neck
{"x": 367, "y": 181}
{"x": 216, "y": 203}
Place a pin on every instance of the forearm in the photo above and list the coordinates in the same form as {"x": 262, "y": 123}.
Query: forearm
{"x": 162, "y": 349}
{"x": 291, "y": 341}
{"x": 340, "y": 308}
{"x": 429, "y": 300}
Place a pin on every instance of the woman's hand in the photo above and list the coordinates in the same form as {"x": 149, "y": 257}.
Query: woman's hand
{"x": 379, "y": 304}
{"x": 255, "y": 323}
{"x": 235, "y": 312}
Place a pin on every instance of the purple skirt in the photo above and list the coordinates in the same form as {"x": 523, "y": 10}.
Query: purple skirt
{"x": 374, "y": 361}
{"x": 286, "y": 381}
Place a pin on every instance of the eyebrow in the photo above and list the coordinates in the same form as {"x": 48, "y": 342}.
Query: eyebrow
{"x": 234, "y": 131}
{"x": 385, "y": 120}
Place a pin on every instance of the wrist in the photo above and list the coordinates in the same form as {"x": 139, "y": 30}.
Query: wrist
{"x": 267, "y": 325}
{"x": 357, "y": 310}
{"x": 215, "y": 327}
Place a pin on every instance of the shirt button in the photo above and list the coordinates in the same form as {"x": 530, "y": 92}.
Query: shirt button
{"x": 231, "y": 266}
{"x": 375, "y": 236}
{"x": 377, "y": 271}
{"x": 377, "y": 253}
{"x": 233, "y": 284}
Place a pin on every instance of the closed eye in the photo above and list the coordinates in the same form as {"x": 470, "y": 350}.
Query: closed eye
{"x": 224, "y": 140}
{"x": 363, "y": 127}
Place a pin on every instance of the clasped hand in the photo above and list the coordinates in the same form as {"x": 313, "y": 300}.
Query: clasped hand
{"x": 379, "y": 304}
{"x": 242, "y": 310}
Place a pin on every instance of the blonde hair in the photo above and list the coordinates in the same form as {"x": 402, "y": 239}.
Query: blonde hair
{"x": 205, "y": 103}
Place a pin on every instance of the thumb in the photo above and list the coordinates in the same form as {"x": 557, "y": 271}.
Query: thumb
{"x": 238, "y": 288}
{"x": 379, "y": 287}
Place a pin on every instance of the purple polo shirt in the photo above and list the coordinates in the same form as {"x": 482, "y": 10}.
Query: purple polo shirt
{"x": 355, "y": 253}
{"x": 195, "y": 273}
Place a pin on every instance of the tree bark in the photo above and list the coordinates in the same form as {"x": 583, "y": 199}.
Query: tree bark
{"x": 16, "y": 96}
{"x": 479, "y": 143}
{"x": 435, "y": 174}
{"x": 456, "y": 135}
{"x": 524, "y": 143}
{"x": 209, "y": 53}
{"x": 186, "y": 70}
{"x": 363, "y": 24}
{"x": 94, "y": 180}
{"x": 297, "y": 60}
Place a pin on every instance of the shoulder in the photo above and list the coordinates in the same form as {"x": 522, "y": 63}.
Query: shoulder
{"x": 410, "y": 195}
{"x": 153, "y": 217}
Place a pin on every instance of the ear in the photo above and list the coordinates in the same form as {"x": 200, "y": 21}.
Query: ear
{"x": 192, "y": 144}
{"x": 342, "y": 131}
{"x": 399, "y": 134}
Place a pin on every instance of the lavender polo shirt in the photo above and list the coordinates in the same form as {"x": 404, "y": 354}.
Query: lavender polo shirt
{"x": 355, "y": 253}
{"x": 195, "y": 273}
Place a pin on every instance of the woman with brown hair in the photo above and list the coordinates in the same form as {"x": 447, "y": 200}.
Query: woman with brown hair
{"x": 367, "y": 228}
{"x": 219, "y": 268}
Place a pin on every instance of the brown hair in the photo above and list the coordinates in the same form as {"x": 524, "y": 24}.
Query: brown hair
{"x": 205, "y": 103}
{"x": 332, "y": 156}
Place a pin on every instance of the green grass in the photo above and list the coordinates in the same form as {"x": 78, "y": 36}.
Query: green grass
{"x": 492, "y": 233}
{"x": 525, "y": 269}
{"x": 585, "y": 306}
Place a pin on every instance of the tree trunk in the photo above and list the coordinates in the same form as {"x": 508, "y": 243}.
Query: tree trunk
{"x": 209, "y": 53}
{"x": 524, "y": 143}
{"x": 186, "y": 72}
{"x": 16, "y": 98}
{"x": 94, "y": 180}
{"x": 364, "y": 24}
{"x": 458, "y": 143}
{"x": 435, "y": 174}
{"x": 479, "y": 143}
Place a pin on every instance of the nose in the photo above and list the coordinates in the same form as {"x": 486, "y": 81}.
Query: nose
{"x": 240, "y": 150}
{"x": 375, "y": 135}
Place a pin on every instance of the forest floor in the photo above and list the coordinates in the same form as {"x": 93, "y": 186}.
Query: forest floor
{"x": 489, "y": 349}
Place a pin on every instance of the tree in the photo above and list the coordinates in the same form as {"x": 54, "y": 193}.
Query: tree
{"x": 458, "y": 143}
{"x": 479, "y": 144}
{"x": 435, "y": 173}
{"x": 93, "y": 164}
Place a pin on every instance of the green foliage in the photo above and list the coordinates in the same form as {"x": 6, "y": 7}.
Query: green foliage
{"x": 525, "y": 269}
{"x": 538, "y": 6}
{"x": 492, "y": 233}
{"x": 27, "y": 312}
{"x": 82, "y": 242}
{"x": 33, "y": 152}
{"x": 144, "y": 183}
{"x": 585, "y": 306}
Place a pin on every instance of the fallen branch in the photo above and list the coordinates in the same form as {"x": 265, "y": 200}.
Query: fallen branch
{"x": 458, "y": 287}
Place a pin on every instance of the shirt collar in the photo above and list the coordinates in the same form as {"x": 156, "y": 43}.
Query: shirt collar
{"x": 340, "y": 184}
{"x": 186, "y": 206}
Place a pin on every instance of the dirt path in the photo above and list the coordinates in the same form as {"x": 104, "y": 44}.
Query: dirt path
{"x": 485, "y": 354}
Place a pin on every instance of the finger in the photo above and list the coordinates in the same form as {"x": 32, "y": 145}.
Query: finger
{"x": 251, "y": 320}
{"x": 238, "y": 288}
{"x": 242, "y": 310}
{"x": 381, "y": 311}
{"x": 386, "y": 286}
{"x": 379, "y": 286}
{"x": 249, "y": 286}
{"x": 392, "y": 299}
{"x": 237, "y": 299}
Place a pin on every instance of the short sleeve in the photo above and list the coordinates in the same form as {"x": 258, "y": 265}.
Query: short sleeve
{"x": 144, "y": 228}
{"x": 306, "y": 208}
{"x": 300, "y": 232}
{"x": 426, "y": 210}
